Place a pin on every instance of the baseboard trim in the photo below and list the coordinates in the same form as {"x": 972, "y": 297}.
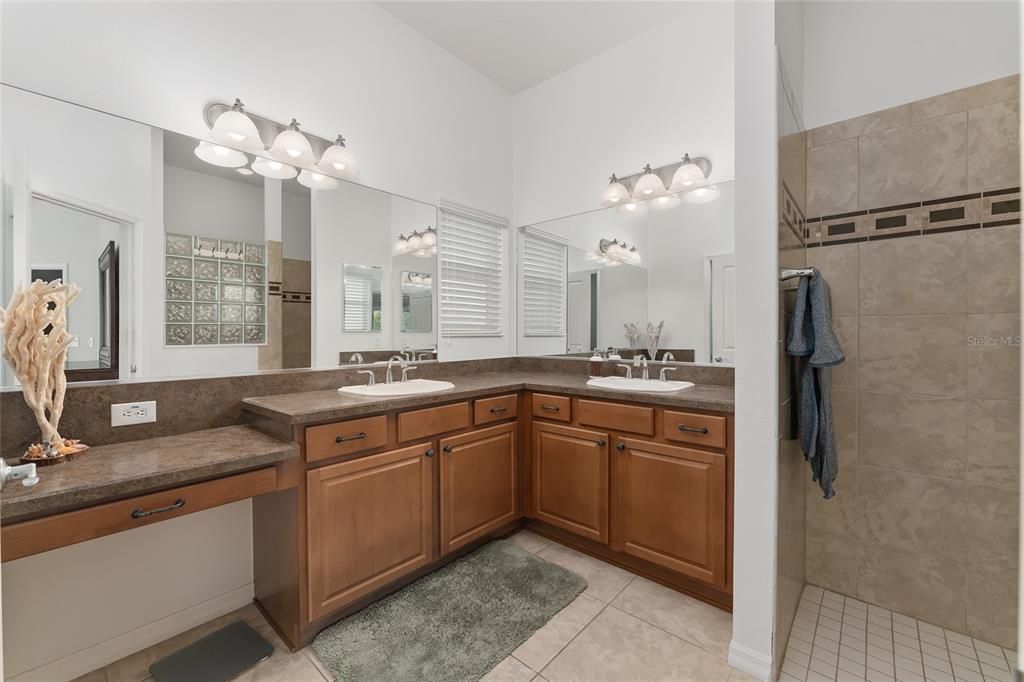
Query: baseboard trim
{"x": 749, "y": 661}
{"x": 106, "y": 652}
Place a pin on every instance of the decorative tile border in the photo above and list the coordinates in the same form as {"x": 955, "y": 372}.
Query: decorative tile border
{"x": 979, "y": 210}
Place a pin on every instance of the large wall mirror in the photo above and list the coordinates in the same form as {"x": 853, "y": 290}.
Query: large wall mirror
{"x": 597, "y": 280}
{"x": 190, "y": 268}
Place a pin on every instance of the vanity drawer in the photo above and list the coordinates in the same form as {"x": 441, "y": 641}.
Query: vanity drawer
{"x": 69, "y": 528}
{"x": 487, "y": 410}
{"x": 554, "y": 407}
{"x": 699, "y": 429}
{"x": 346, "y": 438}
{"x": 432, "y": 421}
{"x": 629, "y": 418}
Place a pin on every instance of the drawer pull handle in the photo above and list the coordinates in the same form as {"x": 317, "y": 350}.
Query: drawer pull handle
{"x": 550, "y": 408}
{"x": 690, "y": 429}
{"x": 429, "y": 453}
{"x": 359, "y": 436}
{"x": 498, "y": 410}
{"x": 601, "y": 442}
{"x": 142, "y": 513}
{"x": 448, "y": 449}
{"x": 621, "y": 447}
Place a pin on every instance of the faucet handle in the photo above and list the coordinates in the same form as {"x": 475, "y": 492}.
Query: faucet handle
{"x": 373, "y": 379}
{"x": 405, "y": 373}
{"x": 629, "y": 370}
{"x": 661, "y": 376}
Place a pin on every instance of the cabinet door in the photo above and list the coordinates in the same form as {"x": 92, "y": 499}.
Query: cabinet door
{"x": 478, "y": 484}
{"x": 670, "y": 507}
{"x": 570, "y": 479}
{"x": 370, "y": 521}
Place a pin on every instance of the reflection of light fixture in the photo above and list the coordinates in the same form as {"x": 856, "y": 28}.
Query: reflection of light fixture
{"x": 420, "y": 280}
{"x": 665, "y": 202}
{"x": 648, "y": 186}
{"x": 315, "y": 180}
{"x": 292, "y": 146}
{"x": 690, "y": 173}
{"x": 244, "y": 171}
{"x": 270, "y": 168}
{"x": 702, "y": 195}
{"x": 220, "y": 156}
{"x": 237, "y": 130}
{"x": 338, "y": 160}
{"x": 615, "y": 193}
{"x": 614, "y": 253}
{"x": 421, "y": 244}
{"x": 633, "y": 208}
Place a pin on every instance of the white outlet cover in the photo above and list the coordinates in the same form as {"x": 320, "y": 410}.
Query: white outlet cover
{"x": 128, "y": 414}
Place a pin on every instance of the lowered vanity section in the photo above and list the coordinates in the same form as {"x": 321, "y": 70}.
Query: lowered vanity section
{"x": 387, "y": 490}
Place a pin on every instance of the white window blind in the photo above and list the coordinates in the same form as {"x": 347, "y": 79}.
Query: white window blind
{"x": 471, "y": 253}
{"x": 358, "y": 304}
{"x": 543, "y": 258}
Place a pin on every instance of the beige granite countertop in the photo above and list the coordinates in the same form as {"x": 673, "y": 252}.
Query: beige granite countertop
{"x": 330, "y": 405}
{"x": 109, "y": 472}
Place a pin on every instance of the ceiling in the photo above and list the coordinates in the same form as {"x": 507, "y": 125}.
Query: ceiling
{"x": 520, "y": 44}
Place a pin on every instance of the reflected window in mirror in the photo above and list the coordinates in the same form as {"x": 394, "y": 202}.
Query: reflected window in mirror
{"x": 362, "y": 298}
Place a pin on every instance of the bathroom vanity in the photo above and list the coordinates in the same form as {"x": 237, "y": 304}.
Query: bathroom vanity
{"x": 385, "y": 491}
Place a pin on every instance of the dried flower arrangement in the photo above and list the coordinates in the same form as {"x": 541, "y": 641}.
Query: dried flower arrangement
{"x": 651, "y": 338}
{"x": 35, "y": 345}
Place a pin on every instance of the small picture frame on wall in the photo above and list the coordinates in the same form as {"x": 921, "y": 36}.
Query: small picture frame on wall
{"x": 49, "y": 272}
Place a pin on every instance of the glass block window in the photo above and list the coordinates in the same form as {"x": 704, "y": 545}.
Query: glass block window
{"x": 215, "y": 291}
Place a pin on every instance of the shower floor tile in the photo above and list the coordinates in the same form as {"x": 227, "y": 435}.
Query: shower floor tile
{"x": 840, "y": 638}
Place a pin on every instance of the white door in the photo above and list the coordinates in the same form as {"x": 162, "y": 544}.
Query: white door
{"x": 722, "y": 308}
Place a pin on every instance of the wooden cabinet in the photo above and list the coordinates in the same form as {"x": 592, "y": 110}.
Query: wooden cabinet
{"x": 478, "y": 484}
{"x": 370, "y": 520}
{"x": 570, "y": 479}
{"x": 670, "y": 507}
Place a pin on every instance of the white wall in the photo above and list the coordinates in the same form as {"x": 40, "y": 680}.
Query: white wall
{"x": 860, "y": 57}
{"x": 295, "y": 225}
{"x": 666, "y": 92}
{"x": 211, "y": 206}
{"x": 420, "y": 122}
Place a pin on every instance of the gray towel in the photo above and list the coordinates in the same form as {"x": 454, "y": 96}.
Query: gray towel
{"x": 811, "y": 336}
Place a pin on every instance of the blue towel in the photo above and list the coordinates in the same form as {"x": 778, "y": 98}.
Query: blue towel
{"x": 811, "y": 336}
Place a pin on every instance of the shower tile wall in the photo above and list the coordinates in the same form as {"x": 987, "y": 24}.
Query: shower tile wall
{"x": 918, "y": 236}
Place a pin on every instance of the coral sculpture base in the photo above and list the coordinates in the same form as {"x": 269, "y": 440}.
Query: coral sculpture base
{"x": 45, "y": 454}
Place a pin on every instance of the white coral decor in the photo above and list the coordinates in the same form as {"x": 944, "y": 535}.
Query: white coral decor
{"x": 35, "y": 345}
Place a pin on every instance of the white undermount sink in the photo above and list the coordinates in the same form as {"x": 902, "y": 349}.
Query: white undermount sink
{"x": 399, "y": 388}
{"x": 638, "y": 385}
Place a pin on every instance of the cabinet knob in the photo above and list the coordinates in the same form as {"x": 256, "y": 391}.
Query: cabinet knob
{"x": 447, "y": 448}
{"x": 601, "y": 442}
{"x": 621, "y": 447}
{"x": 429, "y": 453}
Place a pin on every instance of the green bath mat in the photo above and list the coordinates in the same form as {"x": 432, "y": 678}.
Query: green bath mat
{"x": 454, "y": 624}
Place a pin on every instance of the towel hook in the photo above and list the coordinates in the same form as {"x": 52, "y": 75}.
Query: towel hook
{"x": 789, "y": 273}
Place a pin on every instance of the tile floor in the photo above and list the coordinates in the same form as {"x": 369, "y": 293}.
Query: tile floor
{"x": 839, "y": 638}
{"x": 623, "y": 627}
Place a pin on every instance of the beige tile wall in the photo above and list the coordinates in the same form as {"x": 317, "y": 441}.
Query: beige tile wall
{"x": 926, "y": 516}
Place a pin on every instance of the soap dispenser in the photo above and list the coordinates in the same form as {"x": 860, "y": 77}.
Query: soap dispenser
{"x": 596, "y": 365}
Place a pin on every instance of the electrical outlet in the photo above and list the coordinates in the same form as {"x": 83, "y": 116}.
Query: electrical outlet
{"x": 127, "y": 414}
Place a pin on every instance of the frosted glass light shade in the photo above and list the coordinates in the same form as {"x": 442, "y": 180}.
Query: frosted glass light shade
{"x": 430, "y": 237}
{"x": 237, "y": 130}
{"x": 648, "y": 186}
{"x": 614, "y": 194}
{"x": 701, "y": 195}
{"x": 401, "y": 246}
{"x": 291, "y": 146}
{"x": 218, "y": 155}
{"x": 665, "y": 202}
{"x": 687, "y": 175}
{"x": 633, "y": 208}
{"x": 269, "y": 168}
{"x": 315, "y": 180}
{"x": 338, "y": 160}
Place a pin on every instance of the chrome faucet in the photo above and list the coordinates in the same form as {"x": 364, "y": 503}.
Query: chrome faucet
{"x": 373, "y": 379}
{"x": 643, "y": 363}
{"x": 26, "y": 473}
{"x": 357, "y": 358}
{"x": 629, "y": 370}
{"x": 661, "y": 376}
{"x": 408, "y": 352}
{"x": 405, "y": 372}
{"x": 388, "y": 378}
{"x": 668, "y": 357}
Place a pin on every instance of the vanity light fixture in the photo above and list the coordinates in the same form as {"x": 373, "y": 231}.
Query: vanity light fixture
{"x": 236, "y": 129}
{"x": 615, "y": 193}
{"x": 316, "y": 180}
{"x": 614, "y": 253}
{"x": 338, "y": 160}
{"x": 632, "y": 209}
{"x": 649, "y": 186}
{"x": 418, "y": 279}
{"x": 690, "y": 173}
{"x": 421, "y": 244}
{"x": 665, "y": 202}
{"x": 244, "y": 171}
{"x": 269, "y": 168}
{"x": 291, "y": 146}
{"x": 219, "y": 155}
{"x": 701, "y": 195}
